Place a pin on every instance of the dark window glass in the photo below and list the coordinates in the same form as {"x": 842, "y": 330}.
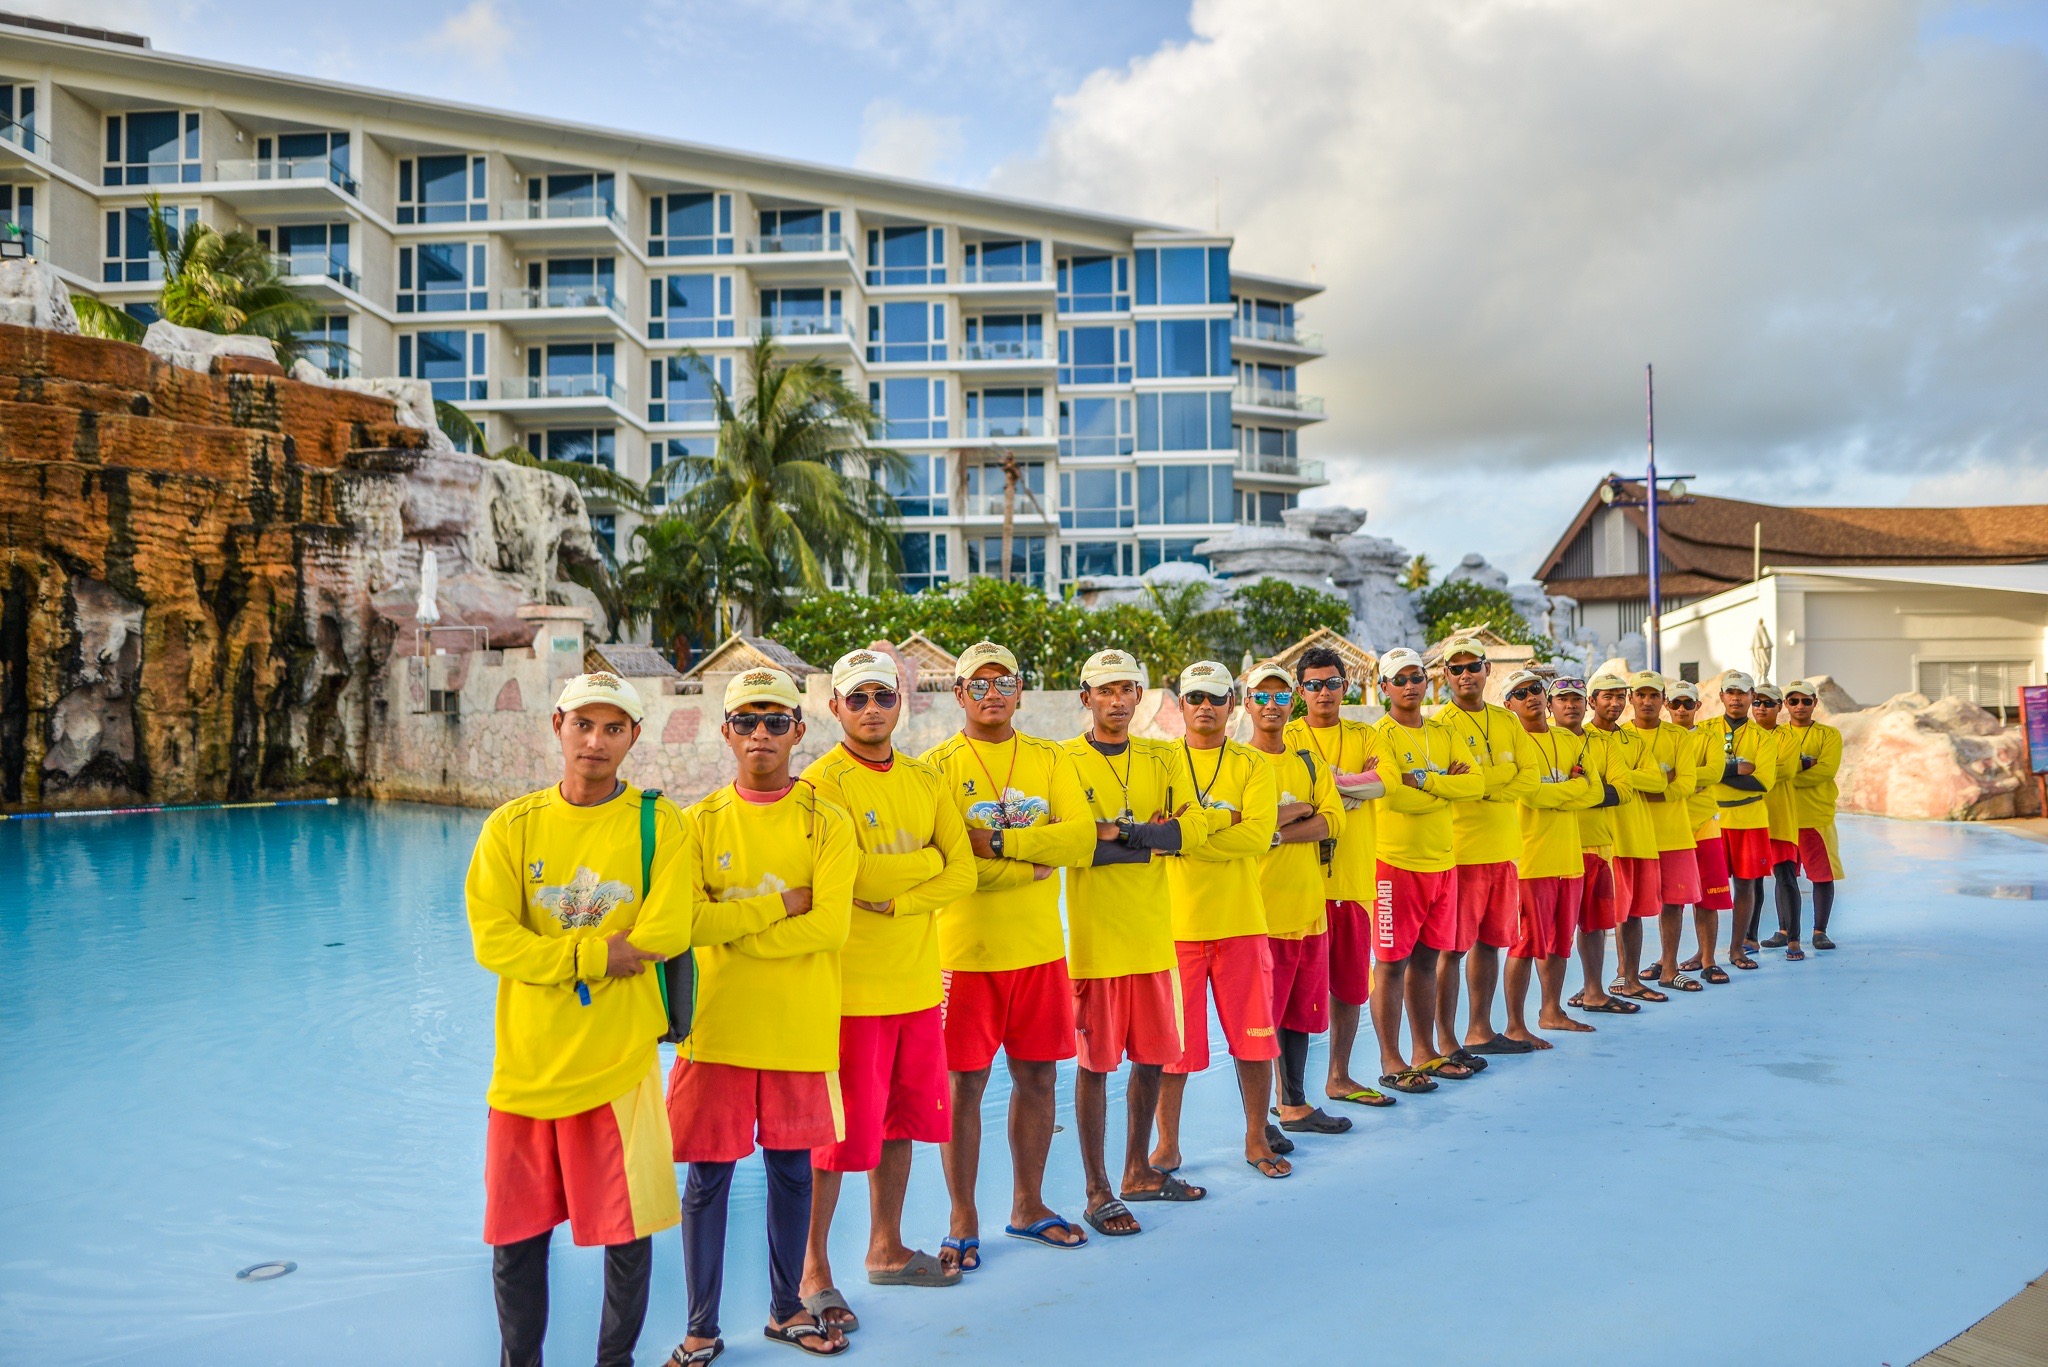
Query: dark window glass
{"x": 1183, "y": 276}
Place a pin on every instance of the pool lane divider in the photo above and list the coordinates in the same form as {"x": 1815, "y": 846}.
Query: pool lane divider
{"x": 193, "y": 807}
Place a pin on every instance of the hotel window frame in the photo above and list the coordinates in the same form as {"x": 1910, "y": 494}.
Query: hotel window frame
{"x": 184, "y": 169}
{"x": 473, "y": 296}
{"x": 473, "y": 386}
{"x": 413, "y": 206}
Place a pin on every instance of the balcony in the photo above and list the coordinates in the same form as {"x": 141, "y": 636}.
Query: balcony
{"x": 983, "y": 273}
{"x": 788, "y": 244}
{"x": 1006, "y": 429}
{"x": 1278, "y": 401}
{"x": 318, "y": 269}
{"x": 266, "y": 189}
{"x": 576, "y": 207}
{"x": 1275, "y": 334}
{"x": 1282, "y": 467}
{"x": 804, "y": 327}
{"x": 568, "y": 221}
{"x": 991, "y": 505}
{"x": 286, "y": 168}
{"x": 800, "y": 256}
{"x": 562, "y": 297}
{"x": 1033, "y": 352}
{"x": 18, "y": 141}
{"x": 562, "y": 387}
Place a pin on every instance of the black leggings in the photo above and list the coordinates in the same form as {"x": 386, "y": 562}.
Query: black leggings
{"x": 519, "y": 1275}
{"x": 705, "y": 1197}
{"x": 1753, "y": 889}
{"x": 1293, "y": 1067}
{"x": 1823, "y": 906}
{"x": 1785, "y": 875}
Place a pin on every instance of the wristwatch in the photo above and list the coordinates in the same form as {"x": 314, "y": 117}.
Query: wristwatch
{"x": 995, "y": 844}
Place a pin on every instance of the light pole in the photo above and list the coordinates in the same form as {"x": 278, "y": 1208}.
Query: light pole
{"x": 1610, "y": 494}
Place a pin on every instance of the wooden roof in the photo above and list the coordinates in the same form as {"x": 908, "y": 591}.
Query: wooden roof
{"x": 737, "y": 653}
{"x": 935, "y": 664}
{"x": 1360, "y": 664}
{"x": 629, "y": 662}
{"x": 1495, "y": 643}
{"x": 1708, "y": 542}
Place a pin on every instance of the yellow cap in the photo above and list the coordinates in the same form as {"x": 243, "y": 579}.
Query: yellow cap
{"x": 1646, "y": 678}
{"x": 1396, "y": 660}
{"x": 1810, "y": 687}
{"x": 1571, "y": 684}
{"x": 1735, "y": 681}
{"x": 1111, "y": 666}
{"x": 1206, "y": 676}
{"x": 1769, "y": 692}
{"x": 1599, "y": 683}
{"x": 762, "y": 685}
{"x": 587, "y": 689}
{"x": 857, "y": 667}
{"x": 1268, "y": 669}
{"x": 983, "y": 653}
{"x": 1681, "y": 689}
{"x": 1464, "y": 645}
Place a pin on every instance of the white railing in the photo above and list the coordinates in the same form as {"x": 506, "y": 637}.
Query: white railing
{"x": 24, "y": 137}
{"x": 999, "y": 429}
{"x": 568, "y": 206}
{"x": 783, "y": 244}
{"x": 562, "y": 387}
{"x": 562, "y": 297}
{"x": 803, "y": 325}
{"x": 991, "y": 505}
{"x": 980, "y": 274}
{"x": 1279, "y": 465}
{"x": 1256, "y": 396}
{"x": 318, "y": 268}
{"x": 1283, "y": 333}
{"x": 1034, "y": 350}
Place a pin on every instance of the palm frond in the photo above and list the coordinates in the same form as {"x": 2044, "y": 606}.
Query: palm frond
{"x": 97, "y": 318}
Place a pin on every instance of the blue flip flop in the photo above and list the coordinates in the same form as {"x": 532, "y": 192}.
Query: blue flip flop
{"x": 1036, "y": 1233}
{"x": 964, "y": 1247}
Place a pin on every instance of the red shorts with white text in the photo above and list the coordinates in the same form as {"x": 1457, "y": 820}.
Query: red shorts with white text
{"x": 1413, "y": 908}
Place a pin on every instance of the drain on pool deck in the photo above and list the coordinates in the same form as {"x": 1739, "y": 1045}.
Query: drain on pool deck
{"x": 264, "y": 1272}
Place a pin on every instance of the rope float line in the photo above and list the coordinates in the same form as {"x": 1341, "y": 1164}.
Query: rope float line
{"x": 194, "y": 807}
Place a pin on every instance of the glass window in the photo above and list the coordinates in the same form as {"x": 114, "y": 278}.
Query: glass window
{"x": 911, "y": 408}
{"x": 605, "y": 528}
{"x": 1027, "y": 558}
{"x": 1005, "y": 337}
{"x": 130, "y": 255}
{"x": 1151, "y": 553}
{"x": 1095, "y": 355}
{"x": 679, "y": 388}
{"x": 683, "y": 457}
{"x": 695, "y": 224}
{"x": 983, "y": 486}
{"x": 1006, "y": 413}
{"x": 906, "y": 256}
{"x": 924, "y": 561}
{"x": 689, "y": 306}
{"x": 800, "y": 230}
{"x": 1095, "y": 427}
{"x": 18, "y": 213}
{"x": 920, "y": 489}
{"x": 452, "y": 362}
{"x": 327, "y": 345}
{"x": 1185, "y": 421}
{"x": 441, "y": 277}
{"x": 18, "y": 116}
{"x": 575, "y": 194}
{"x": 442, "y": 189}
{"x": 1183, "y": 494}
{"x": 319, "y": 249}
{"x": 906, "y": 330}
{"x": 1183, "y": 275}
{"x": 152, "y": 147}
{"x": 1095, "y": 498}
{"x": 1095, "y": 284}
{"x": 581, "y": 445}
{"x": 992, "y": 263}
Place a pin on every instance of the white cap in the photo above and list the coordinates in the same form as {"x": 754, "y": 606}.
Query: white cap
{"x": 1206, "y": 676}
{"x": 1681, "y": 689}
{"x": 1735, "y": 681}
{"x": 586, "y": 690}
{"x": 1521, "y": 677}
{"x": 1769, "y": 692}
{"x": 1396, "y": 660}
{"x": 763, "y": 685}
{"x": 982, "y": 654}
{"x": 857, "y": 667}
{"x": 1268, "y": 669}
{"x": 1111, "y": 666}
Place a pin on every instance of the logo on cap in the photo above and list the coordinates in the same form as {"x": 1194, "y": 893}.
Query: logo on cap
{"x": 759, "y": 676}
{"x": 863, "y": 658}
{"x": 603, "y": 681}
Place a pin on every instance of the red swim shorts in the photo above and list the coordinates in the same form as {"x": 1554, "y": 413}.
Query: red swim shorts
{"x": 1678, "y": 877}
{"x": 1026, "y": 1012}
{"x": 1136, "y": 1014}
{"x": 1712, "y": 859}
{"x": 1638, "y": 886}
{"x": 1816, "y": 861}
{"x": 1411, "y": 908}
{"x": 1489, "y": 904}
{"x": 1240, "y": 972}
{"x": 606, "y": 1171}
{"x": 717, "y": 1110}
{"x": 1350, "y": 951}
{"x": 892, "y": 1085}
{"x": 1301, "y": 982}
{"x": 1748, "y": 850}
{"x": 1599, "y": 906}
{"x": 1549, "y": 917}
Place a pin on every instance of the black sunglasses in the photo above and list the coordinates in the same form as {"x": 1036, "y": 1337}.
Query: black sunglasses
{"x": 1526, "y": 691}
{"x": 1005, "y": 684}
{"x": 1475, "y": 667}
{"x": 743, "y": 723}
{"x": 1201, "y": 699}
{"x": 884, "y": 698}
{"x": 1265, "y": 699}
{"x": 1407, "y": 680}
{"x": 1335, "y": 685}
{"x": 1682, "y": 702}
{"x": 1799, "y": 700}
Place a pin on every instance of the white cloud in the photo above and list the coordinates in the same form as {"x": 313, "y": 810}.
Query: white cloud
{"x": 478, "y": 33}
{"x": 906, "y": 142}
{"x": 1822, "y": 225}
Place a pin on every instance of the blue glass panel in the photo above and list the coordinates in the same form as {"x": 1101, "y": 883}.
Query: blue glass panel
{"x": 1148, "y": 276}
{"x": 1183, "y": 276}
{"x": 1184, "y": 422}
{"x": 1183, "y": 347}
{"x": 1219, "y": 275}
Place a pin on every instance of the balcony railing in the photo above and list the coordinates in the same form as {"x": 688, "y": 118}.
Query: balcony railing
{"x": 1033, "y": 350}
{"x": 782, "y": 244}
{"x": 1001, "y": 429}
{"x": 991, "y": 505}
{"x": 803, "y": 325}
{"x": 1279, "y": 465}
{"x": 1284, "y": 333}
{"x": 319, "y": 268}
{"x": 24, "y": 137}
{"x": 562, "y": 297}
{"x": 566, "y": 206}
{"x": 1255, "y": 396}
{"x": 285, "y": 168}
{"x": 562, "y": 387}
{"x": 984, "y": 274}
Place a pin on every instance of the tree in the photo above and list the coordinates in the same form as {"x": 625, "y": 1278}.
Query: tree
{"x": 1275, "y": 614}
{"x": 596, "y": 481}
{"x": 1416, "y": 575}
{"x": 778, "y": 484}
{"x": 1468, "y": 603}
{"x": 217, "y": 282}
{"x": 684, "y": 577}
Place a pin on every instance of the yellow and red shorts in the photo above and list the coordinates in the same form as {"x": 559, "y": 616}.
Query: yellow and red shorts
{"x": 606, "y": 1171}
{"x": 718, "y": 1110}
{"x": 1138, "y": 1014}
{"x": 1488, "y": 905}
{"x": 1817, "y": 857}
{"x": 892, "y": 1081}
{"x": 1239, "y": 970}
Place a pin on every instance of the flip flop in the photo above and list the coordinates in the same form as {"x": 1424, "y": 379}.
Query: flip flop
{"x": 1278, "y": 1142}
{"x": 1098, "y": 1219}
{"x": 1577, "y": 998}
{"x": 1681, "y": 983}
{"x": 1742, "y": 961}
{"x": 1366, "y": 1096}
{"x": 1410, "y": 1080}
{"x": 1037, "y": 1233}
{"x": 1611, "y": 1007}
{"x": 1317, "y": 1121}
{"x": 818, "y": 1302}
{"x": 963, "y": 1247}
{"x": 1793, "y": 954}
{"x": 1444, "y": 1066}
{"x": 1641, "y": 994}
{"x": 1465, "y": 1058}
{"x": 1172, "y": 1189}
{"x": 922, "y": 1270}
{"x": 696, "y": 1357}
{"x": 1715, "y": 974}
{"x": 1261, "y": 1164}
{"x": 1500, "y": 1044}
{"x": 795, "y": 1335}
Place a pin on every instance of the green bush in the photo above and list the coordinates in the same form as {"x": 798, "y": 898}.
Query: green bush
{"x": 1466, "y": 603}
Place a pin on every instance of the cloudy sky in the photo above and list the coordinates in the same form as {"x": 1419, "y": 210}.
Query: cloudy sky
{"x": 1825, "y": 222}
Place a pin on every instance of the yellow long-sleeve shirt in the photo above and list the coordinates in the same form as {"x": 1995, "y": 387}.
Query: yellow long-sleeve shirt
{"x": 771, "y": 999}
{"x": 914, "y": 857}
{"x": 1702, "y": 812}
{"x": 1741, "y": 809}
{"x": 1814, "y": 793}
{"x": 1291, "y": 879}
{"x": 1636, "y": 772}
{"x": 1345, "y": 748}
{"x": 1778, "y": 803}
{"x": 548, "y": 884}
{"x": 1215, "y": 889}
{"x": 1025, "y": 787}
{"x": 1489, "y": 831}
{"x": 1670, "y": 748}
{"x": 1415, "y": 823}
{"x": 1120, "y": 916}
{"x": 1605, "y": 766}
{"x": 1549, "y": 812}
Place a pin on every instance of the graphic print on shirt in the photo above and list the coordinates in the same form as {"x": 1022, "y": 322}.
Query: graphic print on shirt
{"x": 771, "y": 885}
{"x": 584, "y": 900}
{"x": 1014, "y": 810}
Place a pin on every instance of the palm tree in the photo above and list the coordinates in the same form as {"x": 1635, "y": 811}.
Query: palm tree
{"x": 213, "y": 281}
{"x": 685, "y": 576}
{"x": 1417, "y": 572}
{"x": 596, "y": 481}
{"x": 778, "y": 485}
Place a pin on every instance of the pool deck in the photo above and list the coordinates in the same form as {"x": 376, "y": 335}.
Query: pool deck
{"x": 1839, "y": 1161}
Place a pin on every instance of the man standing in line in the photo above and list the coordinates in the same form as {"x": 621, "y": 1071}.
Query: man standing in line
{"x": 1744, "y": 761}
{"x": 1637, "y": 872}
{"x": 1219, "y": 915}
{"x": 1814, "y": 794}
{"x": 1002, "y": 946}
{"x": 914, "y": 859}
{"x": 1551, "y": 874}
{"x": 1599, "y": 908}
{"x": 1345, "y": 748}
{"x": 1768, "y": 712}
{"x": 1293, "y": 881}
{"x": 1126, "y": 976}
{"x": 1683, "y": 701}
{"x": 1486, "y": 838}
{"x": 1669, "y": 747}
{"x": 558, "y": 911}
{"x": 1415, "y": 908}
{"x": 761, "y": 1062}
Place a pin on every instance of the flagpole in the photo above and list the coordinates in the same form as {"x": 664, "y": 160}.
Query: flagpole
{"x": 1656, "y": 642}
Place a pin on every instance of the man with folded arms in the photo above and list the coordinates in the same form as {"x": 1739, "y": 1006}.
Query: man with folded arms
{"x": 1682, "y": 700}
{"x": 1818, "y": 751}
{"x": 1292, "y": 882}
{"x": 1550, "y": 875}
{"x": 1599, "y": 907}
{"x": 1743, "y": 759}
{"x": 1427, "y": 769}
{"x": 1637, "y": 872}
{"x": 761, "y": 1062}
{"x": 1219, "y": 915}
{"x": 914, "y": 859}
{"x": 1126, "y": 976}
{"x": 1669, "y": 747}
{"x": 1345, "y": 748}
{"x": 1769, "y": 714}
{"x": 1002, "y": 945}
{"x": 1486, "y": 836}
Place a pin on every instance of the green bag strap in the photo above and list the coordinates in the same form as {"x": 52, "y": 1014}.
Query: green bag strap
{"x": 648, "y": 798}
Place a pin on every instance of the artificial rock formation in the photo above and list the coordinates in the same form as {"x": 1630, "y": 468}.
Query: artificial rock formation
{"x": 1322, "y": 548}
{"x": 191, "y": 562}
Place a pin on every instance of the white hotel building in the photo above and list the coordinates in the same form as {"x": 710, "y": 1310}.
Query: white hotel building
{"x": 552, "y": 279}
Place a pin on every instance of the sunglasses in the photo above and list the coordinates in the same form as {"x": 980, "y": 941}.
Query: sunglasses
{"x": 1201, "y": 699}
{"x": 744, "y": 723}
{"x": 1335, "y": 685}
{"x": 1266, "y": 699}
{"x": 1799, "y": 700}
{"x": 1475, "y": 667}
{"x": 1005, "y": 684}
{"x": 884, "y": 698}
{"x": 1407, "y": 680}
{"x": 1768, "y": 702}
{"x": 1677, "y": 704}
{"x": 1568, "y": 686}
{"x": 1526, "y": 691}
